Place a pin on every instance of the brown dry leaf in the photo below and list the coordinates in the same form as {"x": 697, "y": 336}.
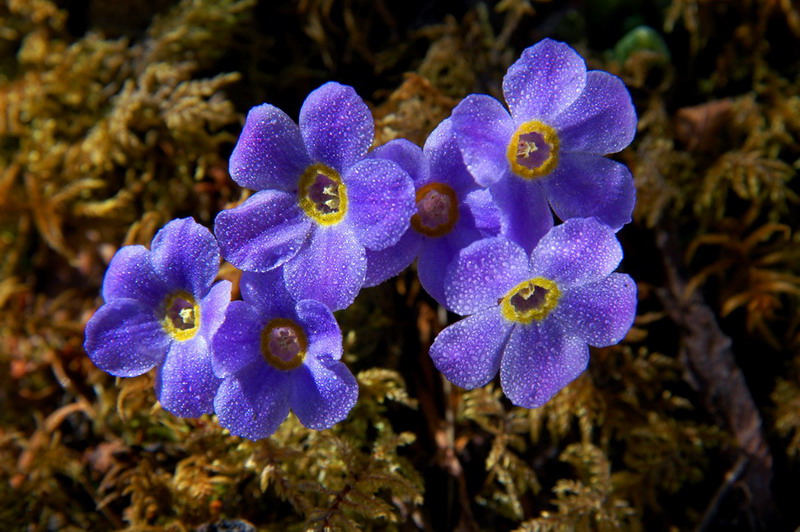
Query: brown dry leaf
{"x": 412, "y": 111}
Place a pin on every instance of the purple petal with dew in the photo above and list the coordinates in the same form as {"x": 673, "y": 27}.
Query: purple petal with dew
{"x": 323, "y": 393}
{"x": 185, "y": 383}
{"x": 213, "y": 307}
{"x": 237, "y": 343}
{"x": 187, "y": 255}
{"x": 381, "y": 202}
{"x": 404, "y": 153}
{"x": 483, "y": 210}
{"x": 544, "y": 81}
{"x": 445, "y": 160}
{"x": 336, "y": 125}
{"x": 538, "y": 361}
{"x": 331, "y": 269}
{"x": 435, "y": 256}
{"x": 265, "y": 231}
{"x": 586, "y": 185}
{"x": 270, "y": 152}
{"x": 267, "y": 292}
{"x": 602, "y": 120}
{"x": 577, "y": 252}
{"x": 322, "y": 331}
{"x": 254, "y": 402}
{"x": 391, "y": 261}
{"x": 524, "y": 212}
{"x": 601, "y": 313}
{"x": 131, "y": 275}
{"x": 483, "y": 128}
{"x": 468, "y": 351}
{"x": 483, "y": 272}
{"x": 125, "y": 338}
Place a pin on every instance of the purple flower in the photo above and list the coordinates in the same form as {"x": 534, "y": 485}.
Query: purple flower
{"x": 276, "y": 354}
{"x": 321, "y": 204}
{"x": 532, "y": 318}
{"x": 452, "y": 211}
{"x": 550, "y": 147}
{"x": 162, "y": 310}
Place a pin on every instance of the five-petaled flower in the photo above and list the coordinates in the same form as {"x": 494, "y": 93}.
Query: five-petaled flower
{"x": 276, "y": 354}
{"x": 550, "y": 147}
{"x": 531, "y": 318}
{"x": 322, "y": 202}
{"x": 452, "y": 211}
{"x": 161, "y": 310}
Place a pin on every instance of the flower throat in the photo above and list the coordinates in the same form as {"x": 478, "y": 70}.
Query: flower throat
{"x": 322, "y": 195}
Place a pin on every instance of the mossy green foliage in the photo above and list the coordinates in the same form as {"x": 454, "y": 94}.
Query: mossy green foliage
{"x": 109, "y": 131}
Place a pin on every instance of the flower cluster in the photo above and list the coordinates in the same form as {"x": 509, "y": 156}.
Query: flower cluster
{"x": 473, "y": 207}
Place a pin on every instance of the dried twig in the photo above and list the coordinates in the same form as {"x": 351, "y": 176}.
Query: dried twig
{"x": 712, "y": 370}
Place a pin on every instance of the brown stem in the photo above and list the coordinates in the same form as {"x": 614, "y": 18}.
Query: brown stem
{"x": 712, "y": 370}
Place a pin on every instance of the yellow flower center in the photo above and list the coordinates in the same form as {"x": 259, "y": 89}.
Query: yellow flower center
{"x": 530, "y": 300}
{"x": 322, "y": 195}
{"x": 283, "y": 344}
{"x": 181, "y": 315}
{"x": 533, "y": 150}
{"x": 437, "y": 210}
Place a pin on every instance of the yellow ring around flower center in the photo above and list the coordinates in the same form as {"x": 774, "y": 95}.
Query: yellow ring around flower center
{"x": 435, "y": 202}
{"x": 533, "y": 150}
{"x": 322, "y": 194}
{"x": 283, "y": 344}
{"x": 181, "y": 315}
{"x": 530, "y": 300}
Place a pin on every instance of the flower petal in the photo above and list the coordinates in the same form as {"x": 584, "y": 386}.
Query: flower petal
{"x": 331, "y": 269}
{"x": 435, "y": 257}
{"x": 539, "y": 360}
{"x": 265, "y": 231}
{"x": 254, "y": 402}
{"x": 388, "y": 262}
{"x": 405, "y": 153}
{"x": 267, "y": 293}
{"x": 436, "y": 254}
{"x": 212, "y": 309}
{"x": 483, "y": 210}
{"x": 185, "y": 383}
{"x": 524, "y": 212}
{"x": 321, "y": 328}
{"x": 483, "y": 129}
{"x": 601, "y": 313}
{"x": 270, "y": 152}
{"x": 468, "y": 351}
{"x": 336, "y": 125}
{"x": 483, "y": 272}
{"x": 590, "y": 185}
{"x": 323, "y": 393}
{"x": 237, "y": 343}
{"x": 130, "y": 275}
{"x": 124, "y": 338}
{"x": 602, "y": 120}
{"x": 381, "y": 196}
{"x": 187, "y": 255}
{"x": 544, "y": 81}
{"x": 445, "y": 160}
{"x": 577, "y": 252}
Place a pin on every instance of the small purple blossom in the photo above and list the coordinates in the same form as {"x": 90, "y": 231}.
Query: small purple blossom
{"x": 321, "y": 202}
{"x": 452, "y": 211}
{"x": 161, "y": 310}
{"x": 277, "y": 354}
{"x": 549, "y": 145}
{"x": 531, "y": 318}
